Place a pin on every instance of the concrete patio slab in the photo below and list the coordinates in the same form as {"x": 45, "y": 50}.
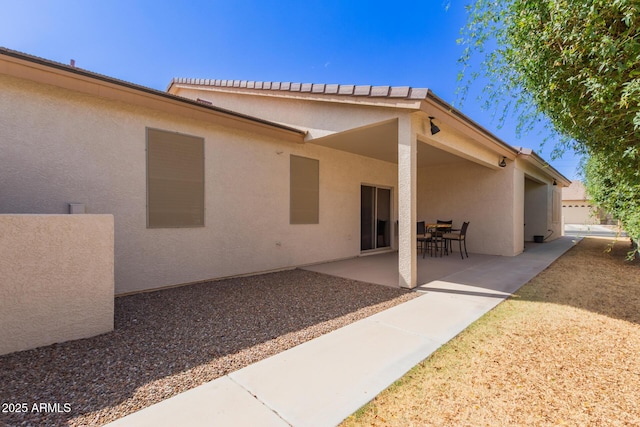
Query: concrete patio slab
{"x": 382, "y": 269}
{"x": 323, "y": 381}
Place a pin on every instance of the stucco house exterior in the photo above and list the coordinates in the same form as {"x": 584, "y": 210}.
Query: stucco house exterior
{"x": 215, "y": 178}
{"x": 578, "y": 209}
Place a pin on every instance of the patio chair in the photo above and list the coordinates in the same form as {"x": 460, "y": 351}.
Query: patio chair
{"x": 439, "y": 233}
{"x": 460, "y": 236}
{"x": 423, "y": 237}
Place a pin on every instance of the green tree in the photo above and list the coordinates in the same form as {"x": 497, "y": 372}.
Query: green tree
{"x": 577, "y": 64}
{"x": 612, "y": 188}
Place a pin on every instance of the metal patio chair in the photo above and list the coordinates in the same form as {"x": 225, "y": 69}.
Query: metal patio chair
{"x": 460, "y": 236}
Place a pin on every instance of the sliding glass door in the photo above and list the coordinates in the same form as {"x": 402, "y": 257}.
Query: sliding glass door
{"x": 375, "y": 217}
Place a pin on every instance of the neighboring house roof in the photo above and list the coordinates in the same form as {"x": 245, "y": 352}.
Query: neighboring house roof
{"x": 575, "y": 191}
{"x": 13, "y": 62}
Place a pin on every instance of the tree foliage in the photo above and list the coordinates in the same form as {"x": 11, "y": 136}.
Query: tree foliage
{"x": 610, "y": 188}
{"x": 576, "y": 62}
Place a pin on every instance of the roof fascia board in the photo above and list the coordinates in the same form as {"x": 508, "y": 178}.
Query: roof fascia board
{"x": 43, "y": 71}
{"x": 534, "y": 159}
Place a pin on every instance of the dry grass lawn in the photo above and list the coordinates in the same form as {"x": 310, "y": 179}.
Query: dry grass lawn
{"x": 565, "y": 350}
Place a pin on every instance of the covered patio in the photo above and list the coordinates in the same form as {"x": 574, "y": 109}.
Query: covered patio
{"x": 454, "y": 173}
{"x": 479, "y": 275}
{"x": 382, "y": 268}
{"x": 417, "y": 158}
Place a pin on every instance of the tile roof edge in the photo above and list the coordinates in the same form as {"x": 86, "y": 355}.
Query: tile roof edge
{"x": 360, "y": 91}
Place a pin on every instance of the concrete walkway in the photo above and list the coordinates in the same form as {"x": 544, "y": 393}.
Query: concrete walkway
{"x": 323, "y": 381}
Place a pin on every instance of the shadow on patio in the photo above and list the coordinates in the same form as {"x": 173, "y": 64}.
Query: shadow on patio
{"x": 479, "y": 275}
{"x": 382, "y": 268}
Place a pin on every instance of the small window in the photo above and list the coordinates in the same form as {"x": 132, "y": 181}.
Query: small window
{"x": 175, "y": 180}
{"x": 305, "y": 191}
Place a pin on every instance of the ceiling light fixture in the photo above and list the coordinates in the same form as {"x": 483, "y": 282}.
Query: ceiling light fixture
{"x": 503, "y": 162}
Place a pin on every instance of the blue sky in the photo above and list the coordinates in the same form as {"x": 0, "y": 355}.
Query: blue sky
{"x": 401, "y": 43}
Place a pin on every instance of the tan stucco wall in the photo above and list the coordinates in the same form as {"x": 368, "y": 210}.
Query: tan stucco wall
{"x": 59, "y": 147}
{"x": 476, "y": 189}
{"x": 536, "y": 206}
{"x": 319, "y": 118}
{"x": 577, "y": 208}
{"x": 556, "y": 225}
{"x": 469, "y": 192}
{"x": 500, "y": 199}
{"x": 518, "y": 209}
{"x": 57, "y": 279}
{"x": 579, "y": 212}
{"x": 540, "y": 204}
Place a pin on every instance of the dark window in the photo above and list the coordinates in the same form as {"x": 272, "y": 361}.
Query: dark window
{"x": 305, "y": 191}
{"x": 175, "y": 180}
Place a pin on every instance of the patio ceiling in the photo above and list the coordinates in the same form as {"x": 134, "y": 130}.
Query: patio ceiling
{"x": 380, "y": 141}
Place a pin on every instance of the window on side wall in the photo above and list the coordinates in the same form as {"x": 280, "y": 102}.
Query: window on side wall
{"x": 305, "y": 191}
{"x": 175, "y": 180}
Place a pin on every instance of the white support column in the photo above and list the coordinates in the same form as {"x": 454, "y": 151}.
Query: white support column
{"x": 407, "y": 204}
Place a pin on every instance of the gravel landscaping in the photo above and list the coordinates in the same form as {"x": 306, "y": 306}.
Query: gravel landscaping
{"x": 169, "y": 341}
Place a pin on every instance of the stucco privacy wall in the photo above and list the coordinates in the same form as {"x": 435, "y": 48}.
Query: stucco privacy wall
{"x": 60, "y": 146}
{"x": 57, "y": 279}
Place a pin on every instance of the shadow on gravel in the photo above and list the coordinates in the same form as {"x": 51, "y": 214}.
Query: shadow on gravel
{"x": 205, "y": 328}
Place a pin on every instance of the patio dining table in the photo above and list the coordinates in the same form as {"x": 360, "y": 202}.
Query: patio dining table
{"x": 434, "y": 226}
{"x": 434, "y": 229}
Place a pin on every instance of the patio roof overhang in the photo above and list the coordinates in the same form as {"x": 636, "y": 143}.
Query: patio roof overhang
{"x": 380, "y": 141}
